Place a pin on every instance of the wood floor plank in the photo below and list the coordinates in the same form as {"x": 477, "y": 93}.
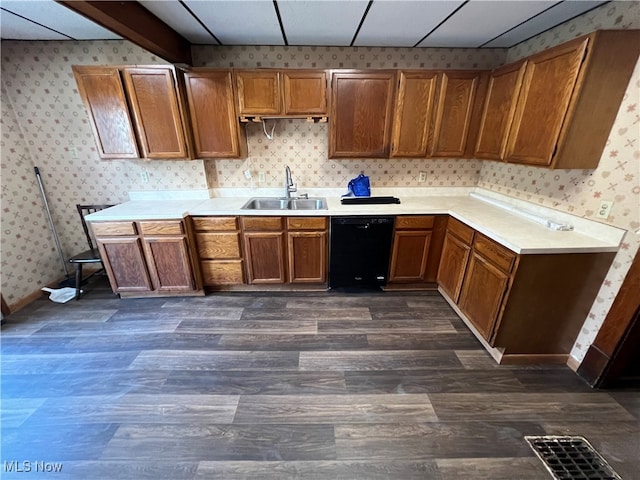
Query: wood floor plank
{"x": 378, "y": 360}
{"x": 99, "y": 382}
{"x": 432, "y": 381}
{"x": 58, "y": 363}
{"x": 340, "y": 302}
{"x": 523, "y": 468}
{"x": 319, "y": 470}
{"x": 240, "y": 300}
{"x": 275, "y": 327}
{"x": 191, "y": 313}
{"x": 16, "y": 410}
{"x": 350, "y": 341}
{"x": 434, "y": 440}
{"x": 126, "y": 470}
{"x": 200, "y": 442}
{"x": 354, "y": 313}
{"x": 254, "y": 383}
{"x": 215, "y": 360}
{"x": 137, "y": 408}
{"x": 424, "y": 341}
{"x": 142, "y": 325}
{"x": 333, "y": 409}
{"x": 384, "y": 326}
{"x": 527, "y": 406}
{"x": 417, "y": 315}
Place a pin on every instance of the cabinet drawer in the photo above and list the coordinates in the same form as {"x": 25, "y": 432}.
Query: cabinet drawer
{"x": 414, "y": 222}
{"x": 113, "y": 228}
{"x": 207, "y": 224}
{"x": 218, "y": 245}
{"x": 460, "y": 230}
{"x": 262, "y": 223}
{"x": 306, "y": 223}
{"x": 169, "y": 227}
{"x": 500, "y": 256}
{"x": 222, "y": 272}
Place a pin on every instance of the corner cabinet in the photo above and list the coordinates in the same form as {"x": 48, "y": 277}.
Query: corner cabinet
{"x": 134, "y": 111}
{"x": 216, "y": 130}
{"x": 148, "y": 258}
{"x": 361, "y": 113}
{"x": 522, "y": 307}
{"x": 569, "y": 99}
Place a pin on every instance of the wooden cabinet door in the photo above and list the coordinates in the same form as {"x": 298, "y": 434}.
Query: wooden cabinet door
{"x": 409, "y": 256}
{"x": 264, "y": 257}
{"x": 545, "y": 96}
{"x": 413, "y": 113}
{"x": 481, "y": 297}
{"x": 360, "y": 114}
{"x": 102, "y": 92}
{"x": 258, "y": 92}
{"x": 305, "y": 92}
{"x": 307, "y": 252}
{"x": 169, "y": 263}
{"x": 499, "y": 107}
{"x": 156, "y": 111}
{"x": 215, "y": 126}
{"x": 455, "y": 100}
{"x": 453, "y": 262}
{"x": 123, "y": 259}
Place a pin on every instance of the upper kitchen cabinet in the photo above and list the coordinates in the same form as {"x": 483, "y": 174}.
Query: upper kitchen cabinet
{"x": 102, "y": 92}
{"x": 157, "y": 112}
{"x": 281, "y": 92}
{"x": 413, "y": 113}
{"x": 114, "y": 96}
{"x": 569, "y": 99}
{"x": 499, "y": 106}
{"x": 361, "y": 111}
{"x": 455, "y": 110}
{"x": 216, "y": 130}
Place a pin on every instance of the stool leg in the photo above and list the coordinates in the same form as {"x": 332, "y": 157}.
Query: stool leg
{"x": 78, "y": 280}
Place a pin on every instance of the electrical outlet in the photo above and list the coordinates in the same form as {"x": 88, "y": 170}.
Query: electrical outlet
{"x": 604, "y": 210}
{"x": 262, "y": 177}
{"x": 247, "y": 174}
{"x": 144, "y": 176}
{"x": 423, "y": 177}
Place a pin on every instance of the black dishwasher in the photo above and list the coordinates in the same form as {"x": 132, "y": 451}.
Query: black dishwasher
{"x": 360, "y": 251}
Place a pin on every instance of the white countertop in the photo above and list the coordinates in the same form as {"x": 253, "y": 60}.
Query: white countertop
{"x": 509, "y": 229}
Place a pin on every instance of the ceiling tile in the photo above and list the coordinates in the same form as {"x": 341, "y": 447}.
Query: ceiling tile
{"x": 479, "y": 21}
{"x": 321, "y": 22}
{"x": 240, "y": 22}
{"x": 558, "y": 14}
{"x": 179, "y": 18}
{"x": 402, "y": 23}
{"x": 52, "y": 15}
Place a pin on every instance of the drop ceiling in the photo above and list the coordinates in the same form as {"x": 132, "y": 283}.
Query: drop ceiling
{"x": 388, "y": 23}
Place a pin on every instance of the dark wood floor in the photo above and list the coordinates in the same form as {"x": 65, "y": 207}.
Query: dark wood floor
{"x": 275, "y": 386}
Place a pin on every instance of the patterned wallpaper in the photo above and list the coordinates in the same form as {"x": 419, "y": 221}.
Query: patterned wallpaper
{"x": 580, "y": 192}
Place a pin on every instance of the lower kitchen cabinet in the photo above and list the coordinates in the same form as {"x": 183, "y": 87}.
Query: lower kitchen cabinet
{"x": 263, "y": 239}
{"x": 285, "y": 249}
{"x": 147, "y": 257}
{"x": 524, "y": 308}
{"x": 219, "y": 250}
{"x": 416, "y": 249}
{"x": 307, "y": 240}
{"x": 455, "y": 255}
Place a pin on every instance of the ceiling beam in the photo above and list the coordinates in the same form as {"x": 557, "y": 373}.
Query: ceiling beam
{"x": 132, "y": 21}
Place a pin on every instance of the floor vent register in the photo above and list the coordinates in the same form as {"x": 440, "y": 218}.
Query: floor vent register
{"x": 571, "y": 458}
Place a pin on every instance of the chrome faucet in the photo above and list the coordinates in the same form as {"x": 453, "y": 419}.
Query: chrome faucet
{"x": 289, "y": 186}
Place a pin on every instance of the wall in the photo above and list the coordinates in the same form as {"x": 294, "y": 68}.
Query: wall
{"x": 579, "y": 192}
{"x": 45, "y": 123}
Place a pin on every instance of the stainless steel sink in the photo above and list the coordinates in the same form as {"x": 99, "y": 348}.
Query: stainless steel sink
{"x": 268, "y": 203}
